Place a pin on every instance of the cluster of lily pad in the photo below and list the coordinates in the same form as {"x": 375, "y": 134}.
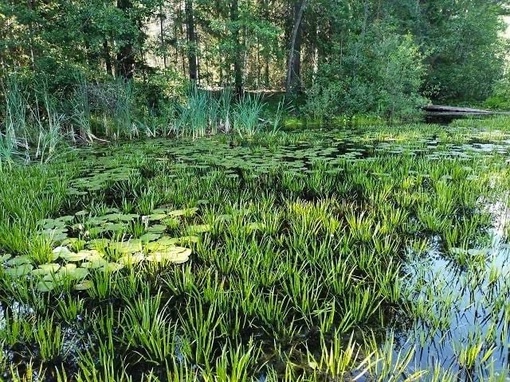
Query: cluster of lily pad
{"x": 317, "y": 256}
{"x": 103, "y": 243}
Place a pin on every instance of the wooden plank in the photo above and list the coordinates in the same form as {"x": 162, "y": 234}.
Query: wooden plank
{"x": 455, "y": 109}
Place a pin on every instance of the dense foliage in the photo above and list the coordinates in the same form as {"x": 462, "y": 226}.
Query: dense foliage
{"x": 350, "y": 57}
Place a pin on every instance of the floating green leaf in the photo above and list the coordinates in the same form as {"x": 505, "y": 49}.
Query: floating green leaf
{"x": 175, "y": 255}
{"x": 45, "y": 269}
{"x": 20, "y": 270}
{"x": 112, "y": 267}
{"x": 200, "y": 228}
{"x": 18, "y": 260}
{"x": 188, "y": 212}
{"x": 131, "y": 259}
{"x": 84, "y": 285}
{"x": 150, "y": 237}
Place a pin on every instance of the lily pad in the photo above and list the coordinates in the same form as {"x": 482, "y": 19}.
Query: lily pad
{"x": 157, "y": 217}
{"x": 45, "y": 269}
{"x": 84, "y": 285}
{"x": 94, "y": 263}
{"x": 80, "y": 256}
{"x": 77, "y": 273}
{"x": 157, "y": 228}
{"x": 200, "y": 228}
{"x": 132, "y": 258}
{"x": 46, "y": 285}
{"x": 57, "y": 234}
{"x": 128, "y": 217}
{"x": 188, "y": 239}
{"x": 18, "y": 260}
{"x": 166, "y": 241}
{"x": 5, "y": 257}
{"x": 188, "y": 212}
{"x": 150, "y": 237}
{"x": 177, "y": 255}
{"x": 112, "y": 267}
{"x": 19, "y": 271}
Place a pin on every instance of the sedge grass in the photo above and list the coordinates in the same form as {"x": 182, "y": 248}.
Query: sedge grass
{"x": 277, "y": 257}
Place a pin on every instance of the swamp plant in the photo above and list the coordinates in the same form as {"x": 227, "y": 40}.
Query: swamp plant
{"x": 228, "y": 263}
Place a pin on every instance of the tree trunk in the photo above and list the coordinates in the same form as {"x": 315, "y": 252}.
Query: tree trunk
{"x": 107, "y": 58}
{"x": 162, "y": 18}
{"x": 125, "y": 56}
{"x": 237, "y": 56}
{"x": 293, "y": 80}
{"x": 192, "y": 43}
{"x": 31, "y": 7}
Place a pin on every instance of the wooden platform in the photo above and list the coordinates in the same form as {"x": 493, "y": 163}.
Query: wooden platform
{"x": 454, "y": 111}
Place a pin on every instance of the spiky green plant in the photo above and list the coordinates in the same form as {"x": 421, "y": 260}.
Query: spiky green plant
{"x": 247, "y": 115}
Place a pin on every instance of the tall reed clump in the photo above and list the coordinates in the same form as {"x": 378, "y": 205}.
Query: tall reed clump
{"x": 193, "y": 119}
{"x": 81, "y": 109}
{"x": 49, "y": 125}
{"x": 124, "y": 122}
{"x": 33, "y": 128}
{"x": 247, "y": 115}
{"x": 12, "y": 139}
{"x": 204, "y": 113}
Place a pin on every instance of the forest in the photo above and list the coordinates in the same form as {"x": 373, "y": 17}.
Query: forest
{"x": 382, "y": 58}
{"x": 249, "y": 190}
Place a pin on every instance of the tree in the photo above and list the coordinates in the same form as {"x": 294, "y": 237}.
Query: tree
{"x": 293, "y": 81}
{"x": 192, "y": 43}
{"x": 464, "y": 54}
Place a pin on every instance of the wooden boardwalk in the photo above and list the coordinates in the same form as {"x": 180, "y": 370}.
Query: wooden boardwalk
{"x": 454, "y": 111}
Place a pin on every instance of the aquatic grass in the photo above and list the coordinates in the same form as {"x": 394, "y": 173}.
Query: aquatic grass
{"x": 273, "y": 310}
{"x": 433, "y": 221}
{"x": 235, "y": 362}
{"x": 16, "y": 108}
{"x": 81, "y": 115}
{"x": 16, "y": 329}
{"x": 49, "y": 338}
{"x": 31, "y": 373}
{"x": 193, "y": 116}
{"x": 469, "y": 355}
{"x": 8, "y": 153}
{"x": 277, "y": 258}
{"x": 150, "y": 333}
{"x": 50, "y": 128}
{"x": 281, "y": 109}
{"x": 362, "y": 226}
{"x": 101, "y": 286}
{"x": 123, "y": 120}
{"x": 383, "y": 367}
{"x": 101, "y": 365}
{"x": 337, "y": 359}
{"x": 247, "y": 114}
{"x": 40, "y": 249}
{"x": 70, "y": 309}
{"x": 304, "y": 290}
{"x": 200, "y": 325}
{"x": 361, "y": 302}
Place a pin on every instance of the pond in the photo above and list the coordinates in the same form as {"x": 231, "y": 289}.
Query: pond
{"x": 369, "y": 254}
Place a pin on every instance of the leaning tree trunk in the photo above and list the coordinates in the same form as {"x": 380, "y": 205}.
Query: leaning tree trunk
{"x": 293, "y": 80}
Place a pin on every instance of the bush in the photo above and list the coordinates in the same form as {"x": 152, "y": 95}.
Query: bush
{"x": 379, "y": 74}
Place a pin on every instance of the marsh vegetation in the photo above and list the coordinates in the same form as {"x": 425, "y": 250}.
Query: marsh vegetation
{"x": 370, "y": 253}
